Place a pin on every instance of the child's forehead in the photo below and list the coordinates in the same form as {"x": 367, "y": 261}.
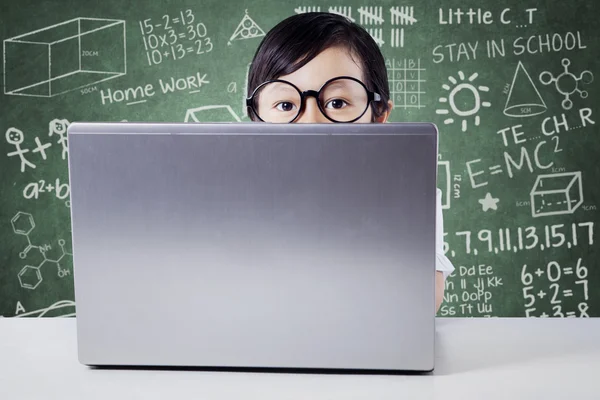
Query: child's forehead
{"x": 330, "y": 63}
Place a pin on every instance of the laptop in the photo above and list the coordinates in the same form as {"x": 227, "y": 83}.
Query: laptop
{"x": 254, "y": 246}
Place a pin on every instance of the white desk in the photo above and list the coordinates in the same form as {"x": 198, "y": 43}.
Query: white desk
{"x": 482, "y": 359}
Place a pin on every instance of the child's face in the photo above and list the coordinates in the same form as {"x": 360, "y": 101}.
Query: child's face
{"x": 330, "y": 63}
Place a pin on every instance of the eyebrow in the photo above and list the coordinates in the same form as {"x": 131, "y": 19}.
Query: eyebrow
{"x": 336, "y": 85}
{"x": 279, "y": 87}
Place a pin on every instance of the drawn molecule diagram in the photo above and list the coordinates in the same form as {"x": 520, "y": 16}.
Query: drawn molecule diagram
{"x": 567, "y": 83}
{"x": 30, "y": 276}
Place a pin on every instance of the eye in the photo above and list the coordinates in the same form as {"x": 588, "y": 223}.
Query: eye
{"x": 285, "y": 106}
{"x": 336, "y": 104}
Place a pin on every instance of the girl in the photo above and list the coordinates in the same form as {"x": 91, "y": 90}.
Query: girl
{"x": 309, "y": 58}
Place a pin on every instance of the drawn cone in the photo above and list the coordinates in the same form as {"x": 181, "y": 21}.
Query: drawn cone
{"x": 523, "y": 99}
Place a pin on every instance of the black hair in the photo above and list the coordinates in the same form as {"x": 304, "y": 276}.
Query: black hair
{"x": 298, "y": 39}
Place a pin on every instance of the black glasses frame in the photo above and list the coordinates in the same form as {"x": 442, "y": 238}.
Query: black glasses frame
{"x": 371, "y": 96}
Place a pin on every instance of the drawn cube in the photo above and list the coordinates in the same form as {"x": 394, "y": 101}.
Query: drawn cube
{"x": 22, "y": 223}
{"x": 30, "y": 277}
{"x": 555, "y": 194}
{"x": 64, "y": 57}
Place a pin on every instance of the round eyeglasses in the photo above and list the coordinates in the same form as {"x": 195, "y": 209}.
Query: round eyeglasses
{"x": 341, "y": 99}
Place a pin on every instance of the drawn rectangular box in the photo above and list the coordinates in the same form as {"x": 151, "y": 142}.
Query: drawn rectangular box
{"x": 555, "y": 194}
{"x": 64, "y": 57}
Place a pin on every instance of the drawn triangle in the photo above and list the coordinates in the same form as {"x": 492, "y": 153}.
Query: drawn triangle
{"x": 246, "y": 29}
{"x": 523, "y": 99}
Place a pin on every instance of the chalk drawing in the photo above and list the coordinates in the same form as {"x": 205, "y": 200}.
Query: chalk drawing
{"x": 523, "y": 99}
{"x": 405, "y": 76}
{"x": 41, "y": 147}
{"x": 343, "y": 11}
{"x": 377, "y": 35}
{"x": 400, "y": 15}
{"x": 246, "y": 29}
{"x": 461, "y": 87}
{"x": 219, "y": 113}
{"x": 370, "y": 15}
{"x": 15, "y": 137}
{"x": 59, "y": 58}
{"x": 63, "y": 308}
{"x": 567, "y": 83}
{"x": 556, "y": 194}
{"x": 30, "y": 276}
{"x": 489, "y": 202}
{"x": 59, "y": 127}
{"x": 305, "y": 9}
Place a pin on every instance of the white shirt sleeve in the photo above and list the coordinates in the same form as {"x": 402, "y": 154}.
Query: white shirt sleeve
{"x": 442, "y": 262}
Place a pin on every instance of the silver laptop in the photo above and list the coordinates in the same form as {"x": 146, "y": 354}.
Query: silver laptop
{"x": 252, "y": 245}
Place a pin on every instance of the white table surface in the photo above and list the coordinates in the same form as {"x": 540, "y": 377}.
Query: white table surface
{"x": 484, "y": 359}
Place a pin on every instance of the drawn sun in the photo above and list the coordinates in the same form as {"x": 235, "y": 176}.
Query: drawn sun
{"x": 468, "y": 91}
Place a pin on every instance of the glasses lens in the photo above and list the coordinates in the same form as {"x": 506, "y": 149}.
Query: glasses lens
{"x": 277, "y": 102}
{"x": 344, "y": 100}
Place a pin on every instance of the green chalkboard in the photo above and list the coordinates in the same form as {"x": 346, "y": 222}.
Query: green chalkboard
{"x": 512, "y": 86}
